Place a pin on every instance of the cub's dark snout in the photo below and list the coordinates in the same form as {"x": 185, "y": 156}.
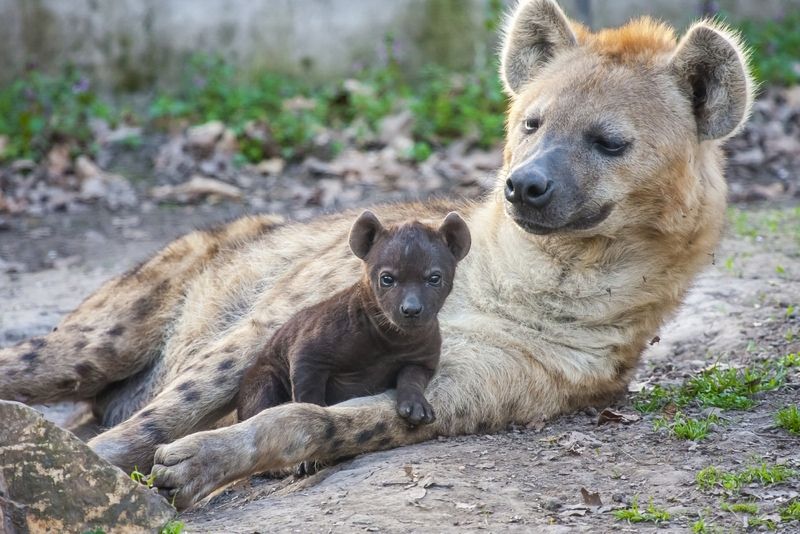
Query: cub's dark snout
{"x": 411, "y": 307}
{"x": 529, "y": 185}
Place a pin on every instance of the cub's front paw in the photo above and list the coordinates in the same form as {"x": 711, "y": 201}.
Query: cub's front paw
{"x": 416, "y": 410}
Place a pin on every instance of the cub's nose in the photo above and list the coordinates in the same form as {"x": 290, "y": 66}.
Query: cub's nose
{"x": 529, "y": 186}
{"x": 411, "y": 307}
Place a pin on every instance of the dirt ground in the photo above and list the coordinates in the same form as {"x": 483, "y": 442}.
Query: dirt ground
{"x": 523, "y": 479}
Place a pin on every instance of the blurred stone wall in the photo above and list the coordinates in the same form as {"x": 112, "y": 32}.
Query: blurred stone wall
{"x": 130, "y": 44}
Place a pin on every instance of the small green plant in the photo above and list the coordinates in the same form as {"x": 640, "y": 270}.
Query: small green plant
{"x": 729, "y": 389}
{"x": 740, "y": 507}
{"x": 733, "y": 481}
{"x": 634, "y": 515}
{"x": 140, "y": 478}
{"x": 755, "y": 522}
{"x": 790, "y": 360}
{"x": 684, "y": 427}
{"x": 701, "y": 526}
{"x": 173, "y": 527}
{"x": 789, "y": 419}
{"x": 790, "y": 512}
{"x": 39, "y": 110}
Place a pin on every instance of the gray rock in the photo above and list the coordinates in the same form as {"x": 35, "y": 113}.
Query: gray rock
{"x": 50, "y": 481}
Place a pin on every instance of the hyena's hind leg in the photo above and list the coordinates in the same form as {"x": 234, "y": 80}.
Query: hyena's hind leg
{"x": 119, "y": 329}
{"x": 194, "y": 399}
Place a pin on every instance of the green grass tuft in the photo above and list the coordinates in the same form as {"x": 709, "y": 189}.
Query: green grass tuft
{"x": 173, "y": 527}
{"x": 790, "y": 512}
{"x": 732, "y": 481}
{"x": 741, "y": 507}
{"x": 634, "y": 515}
{"x": 789, "y": 419}
{"x": 684, "y": 427}
{"x": 728, "y": 389}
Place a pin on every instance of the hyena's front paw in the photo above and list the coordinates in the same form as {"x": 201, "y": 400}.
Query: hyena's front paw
{"x": 192, "y": 467}
{"x": 416, "y": 410}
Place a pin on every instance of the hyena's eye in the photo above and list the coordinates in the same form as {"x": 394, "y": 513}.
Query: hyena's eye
{"x": 610, "y": 147}
{"x": 530, "y": 125}
{"x": 435, "y": 279}
{"x": 387, "y": 280}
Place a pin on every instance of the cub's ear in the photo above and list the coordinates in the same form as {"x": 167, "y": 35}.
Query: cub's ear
{"x": 456, "y": 234}
{"x": 364, "y": 233}
{"x": 535, "y": 32}
{"x": 711, "y": 67}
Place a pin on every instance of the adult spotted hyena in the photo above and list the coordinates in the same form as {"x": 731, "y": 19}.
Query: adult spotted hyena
{"x": 610, "y": 200}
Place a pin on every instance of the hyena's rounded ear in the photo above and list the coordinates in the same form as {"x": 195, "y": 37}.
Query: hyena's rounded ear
{"x": 535, "y": 32}
{"x": 711, "y": 66}
{"x": 364, "y": 233}
{"x": 456, "y": 234}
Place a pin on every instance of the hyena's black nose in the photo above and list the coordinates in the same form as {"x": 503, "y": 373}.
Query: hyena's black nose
{"x": 411, "y": 307}
{"x": 528, "y": 185}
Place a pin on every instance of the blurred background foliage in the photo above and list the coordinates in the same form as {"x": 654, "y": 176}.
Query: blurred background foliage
{"x": 38, "y": 110}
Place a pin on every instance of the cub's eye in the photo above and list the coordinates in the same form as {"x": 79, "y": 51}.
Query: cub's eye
{"x": 610, "y": 147}
{"x": 435, "y": 279}
{"x": 387, "y": 280}
{"x": 530, "y": 125}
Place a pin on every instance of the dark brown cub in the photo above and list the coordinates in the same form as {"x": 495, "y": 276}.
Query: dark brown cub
{"x": 380, "y": 333}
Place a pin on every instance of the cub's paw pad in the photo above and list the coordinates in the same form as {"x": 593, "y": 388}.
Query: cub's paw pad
{"x": 416, "y": 411}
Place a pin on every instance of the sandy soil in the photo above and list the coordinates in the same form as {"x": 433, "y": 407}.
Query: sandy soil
{"x": 523, "y": 479}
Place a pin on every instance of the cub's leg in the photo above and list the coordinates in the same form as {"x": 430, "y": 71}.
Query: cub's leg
{"x": 262, "y": 387}
{"x": 472, "y": 393}
{"x": 308, "y": 382}
{"x": 119, "y": 329}
{"x": 411, "y": 402}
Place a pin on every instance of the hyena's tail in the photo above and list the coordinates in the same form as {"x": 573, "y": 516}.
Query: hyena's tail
{"x": 121, "y": 328}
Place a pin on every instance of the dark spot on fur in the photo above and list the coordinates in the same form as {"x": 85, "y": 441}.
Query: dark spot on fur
{"x": 384, "y": 442}
{"x": 29, "y": 357}
{"x": 85, "y": 369}
{"x": 191, "y": 395}
{"x": 148, "y": 412}
{"x": 379, "y": 429}
{"x": 621, "y": 368}
{"x": 461, "y": 412}
{"x": 144, "y": 306}
{"x": 330, "y": 430}
{"x": 106, "y": 350}
{"x": 117, "y": 330}
{"x": 80, "y": 345}
{"x": 186, "y": 385}
{"x": 226, "y": 365}
{"x": 85, "y": 329}
{"x": 337, "y": 445}
{"x": 38, "y": 343}
{"x": 364, "y": 436}
{"x": 154, "y": 432}
{"x": 55, "y": 329}
{"x": 67, "y": 384}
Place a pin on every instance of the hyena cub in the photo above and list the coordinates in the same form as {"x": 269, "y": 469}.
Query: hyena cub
{"x": 380, "y": 333}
